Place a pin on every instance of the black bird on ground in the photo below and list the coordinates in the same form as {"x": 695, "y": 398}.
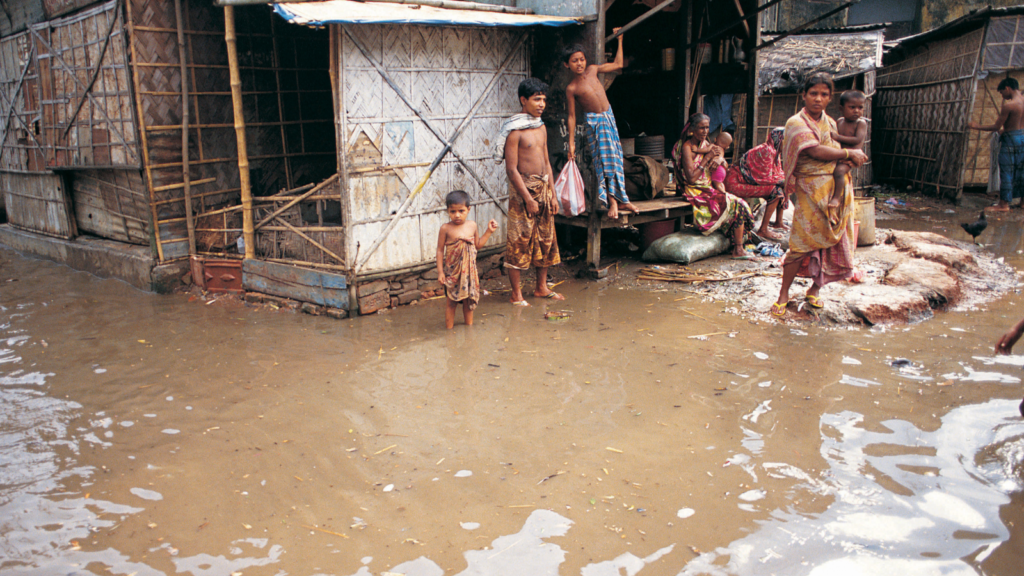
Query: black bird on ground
{"x": 975, "y": 228}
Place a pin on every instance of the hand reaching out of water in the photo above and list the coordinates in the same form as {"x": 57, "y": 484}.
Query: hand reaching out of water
{"x": 1005, "y": 344}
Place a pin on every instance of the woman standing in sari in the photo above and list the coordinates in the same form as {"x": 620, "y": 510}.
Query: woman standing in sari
{"x": 820, "y": 244}
{"x": 712, "y": 210}
{"x": 759, "y": 174}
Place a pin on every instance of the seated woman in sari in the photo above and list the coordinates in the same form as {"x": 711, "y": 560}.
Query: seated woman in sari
{"x": 759, "y": 174}
{"x": 712, "y": 210}
{"x": 821, "y": 243}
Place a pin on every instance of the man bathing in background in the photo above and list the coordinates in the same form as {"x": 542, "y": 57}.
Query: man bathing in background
{"x": 1011, "y": 151}
{"x": 603, "y": 137}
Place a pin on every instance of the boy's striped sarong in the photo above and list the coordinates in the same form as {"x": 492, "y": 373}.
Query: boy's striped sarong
{"x": 1011, "y": 165}
{"x": 606, "y": 150}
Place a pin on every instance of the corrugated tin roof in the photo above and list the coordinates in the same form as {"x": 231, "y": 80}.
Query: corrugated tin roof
{"x": 349, "y": 12}
{"x": 785, "y": 64}
{"x": 843, "y": 30}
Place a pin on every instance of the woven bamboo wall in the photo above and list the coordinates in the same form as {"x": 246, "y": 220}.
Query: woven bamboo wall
{"x": 443, "y": 71}
{"x": 987, "y": 103}
{"x": 922, "y": 106}
{"x": 84, "y": 90}
{"x": 287, "y": 107}
{"x": 20, "y": 146}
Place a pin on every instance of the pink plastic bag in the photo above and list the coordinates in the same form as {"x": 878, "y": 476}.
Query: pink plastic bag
{"x": 569, "y": 190}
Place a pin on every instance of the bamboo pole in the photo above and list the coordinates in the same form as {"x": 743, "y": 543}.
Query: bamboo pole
{"x": 190, "y": 225}
{"x": 323, "y": 248}
{"x": 248, "y": 234}
{"x": 291, "y": 203}
{"x": 637, "y": 21}
{"x": 143, "y": 140}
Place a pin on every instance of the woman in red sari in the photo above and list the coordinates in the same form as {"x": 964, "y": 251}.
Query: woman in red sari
{"x": 759, "y": 174}
{"x": 821, "y": 242}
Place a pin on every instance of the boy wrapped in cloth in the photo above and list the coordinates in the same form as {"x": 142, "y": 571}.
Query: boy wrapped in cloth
{"x": 587, "y": 91}
{"x": 522, "y": 143}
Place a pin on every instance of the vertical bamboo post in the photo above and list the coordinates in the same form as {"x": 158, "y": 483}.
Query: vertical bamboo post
{"x": 190, "y": 224}
{"x": 753, "y": 93}
{"x": 143, "y": 139}
{"x": 243, "y": 157}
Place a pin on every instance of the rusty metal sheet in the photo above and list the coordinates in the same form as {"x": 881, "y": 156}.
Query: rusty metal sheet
{"x": 217, "y": 275}
{"x": 318, "y": 287}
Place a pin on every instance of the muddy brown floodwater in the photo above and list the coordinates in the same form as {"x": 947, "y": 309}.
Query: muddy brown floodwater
{"x": 144, "y": 434}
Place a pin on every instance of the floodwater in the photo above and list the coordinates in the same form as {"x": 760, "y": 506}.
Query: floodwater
{"x": 144, "y": 434}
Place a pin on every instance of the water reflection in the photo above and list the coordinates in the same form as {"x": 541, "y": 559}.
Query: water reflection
{"x": 905, "y": 501}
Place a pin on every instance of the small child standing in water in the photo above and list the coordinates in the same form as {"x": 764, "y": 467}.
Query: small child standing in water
{"x": 457, "y": 243}
{"x": 852, "y": 131}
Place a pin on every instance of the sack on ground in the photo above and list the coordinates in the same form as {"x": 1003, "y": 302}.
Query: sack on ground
{"x": 569, "y": 190}
{"x": 686, "y": 247}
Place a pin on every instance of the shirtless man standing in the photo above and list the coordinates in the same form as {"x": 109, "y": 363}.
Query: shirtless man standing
{"x": 603, "y": 137}
{"x": 1011, "y": 144}
{"x": 532, "y": 206}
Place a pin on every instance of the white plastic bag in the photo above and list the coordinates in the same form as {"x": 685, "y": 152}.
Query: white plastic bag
{"x": 569, "y": 190}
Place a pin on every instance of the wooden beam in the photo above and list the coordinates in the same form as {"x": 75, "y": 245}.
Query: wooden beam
{"x": 96, "y": 72}
{"x": 743, "y": 19}
{"x": 190, "y": 223}
{"x": 753, "y": 92}
{"x": 74, "y": 77}
{"x": 722, "y": 31}
{"x": 637, "y": 21}
{"x": 805, "y": 25}
{"x": 291, "y": 203}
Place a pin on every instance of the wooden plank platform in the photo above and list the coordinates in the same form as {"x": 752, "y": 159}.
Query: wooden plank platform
{"x": 650, "y": 211}
{"x": 659, "y": 209}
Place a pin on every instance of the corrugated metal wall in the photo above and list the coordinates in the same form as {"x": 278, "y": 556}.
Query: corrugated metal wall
{"x": 443, "y": 72}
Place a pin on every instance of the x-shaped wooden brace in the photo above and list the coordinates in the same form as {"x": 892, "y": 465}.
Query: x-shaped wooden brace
{"x": 10, "y": 110}
{"x": 437, "y": 133}
{"x": 103, "y": 111}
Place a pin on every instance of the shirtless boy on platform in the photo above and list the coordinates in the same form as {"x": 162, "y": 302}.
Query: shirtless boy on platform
{"x": 852, "y": 132}
{"x": 1011, "y": 144}
{"x": 532, "y": 206}
{"x": 586, "y": 90}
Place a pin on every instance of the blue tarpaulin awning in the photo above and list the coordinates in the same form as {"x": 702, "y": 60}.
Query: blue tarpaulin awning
{"x": 351, "y": 12}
